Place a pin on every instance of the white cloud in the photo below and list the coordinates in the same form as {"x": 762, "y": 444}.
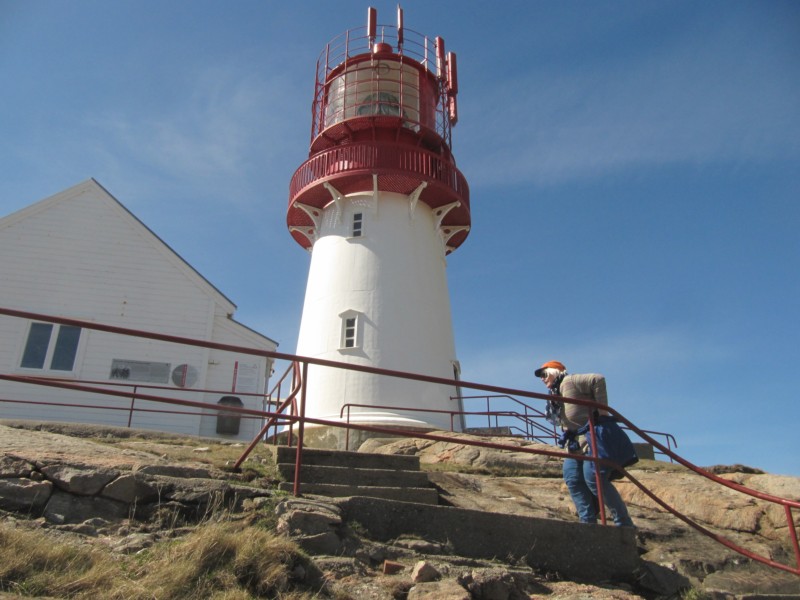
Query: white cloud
{"x": 228, "y": 127}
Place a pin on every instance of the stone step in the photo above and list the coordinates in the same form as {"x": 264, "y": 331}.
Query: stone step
{"x": 419, "y": 495}
{"x": 576, "y": 550}
{"x": 342, "y": 458}
{"x": 355, "y": 476}
{"x": 338, "y": 473}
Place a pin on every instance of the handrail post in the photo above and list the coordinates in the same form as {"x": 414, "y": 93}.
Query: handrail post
{"x": 347, "y": 431}
{"x": 792, "y": 533}
{"x": 290, "y": 435}
{"x": 278, "y": 392}
{"x": 528, "y": 426}
{"x": 296, "y": 382}
{"x": 597, "y": 477}
{"x": 130, "y": 410}
{"x": 300, "y": 431}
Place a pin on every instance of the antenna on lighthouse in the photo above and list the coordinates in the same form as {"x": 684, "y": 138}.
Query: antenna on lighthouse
{"x": 372, "y": 24}
{"x": 452, "y": 88}
{"x": 440, "y": 59}
{"x": 399, "y": 28}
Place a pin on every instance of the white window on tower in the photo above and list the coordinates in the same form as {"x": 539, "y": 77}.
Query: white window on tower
{"x": 358, "y": 224}
{"x": 349, "y": 330}
{"x": 51, "y": 347}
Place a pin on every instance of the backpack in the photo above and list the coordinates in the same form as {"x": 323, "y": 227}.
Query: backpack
{"x": 612, "y": 444}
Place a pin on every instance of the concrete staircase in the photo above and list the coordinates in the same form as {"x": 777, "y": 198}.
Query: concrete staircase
{"x": 390, "y": 497}
{"x": 342, "y": 474}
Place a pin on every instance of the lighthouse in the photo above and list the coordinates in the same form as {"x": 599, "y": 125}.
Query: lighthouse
{"x": 380, "y": 205}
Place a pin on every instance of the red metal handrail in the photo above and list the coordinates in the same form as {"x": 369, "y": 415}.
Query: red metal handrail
{"x": 266, "y": 401}
{"x": 552, "y": 432}
{"x": 302, "y": 420}
{"x": 59, "y": 383}
{"x": 452, "y": 413}
{"x": 219, "y": 408}
{"x": 288, "y": 403}
{"x": 292, "y": 370}
{"x": 529, "y": 420}
{"x": 599, "y": 462}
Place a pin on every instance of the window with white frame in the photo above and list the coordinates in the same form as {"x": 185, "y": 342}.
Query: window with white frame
{"x": 358, "y": 224}
{"x": 51, "y": 347}
{"x": 349, "y": 330}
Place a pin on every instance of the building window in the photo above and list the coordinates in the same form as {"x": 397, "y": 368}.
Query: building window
{"x": 51, "y": 346}
{"x": 349, "y": 330}
{"x": 358, "y": 224}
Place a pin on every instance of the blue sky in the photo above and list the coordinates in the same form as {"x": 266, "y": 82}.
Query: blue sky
{"x": 634, "y": 170}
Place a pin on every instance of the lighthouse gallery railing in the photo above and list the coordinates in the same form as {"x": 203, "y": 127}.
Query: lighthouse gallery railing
{"x": 373, "y": 157}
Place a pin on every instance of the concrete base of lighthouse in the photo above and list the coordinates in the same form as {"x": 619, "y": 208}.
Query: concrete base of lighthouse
{"x": 336, "y": 438}
{"x": 377, "y": 296}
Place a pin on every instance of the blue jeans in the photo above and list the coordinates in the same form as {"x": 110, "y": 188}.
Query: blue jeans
{"x": 580, "y": 480}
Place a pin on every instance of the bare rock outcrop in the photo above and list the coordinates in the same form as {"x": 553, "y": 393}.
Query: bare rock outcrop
{"x": 476, "y": 458}
{"x": 69, "y": 481}
{"x": 674, "y": 555}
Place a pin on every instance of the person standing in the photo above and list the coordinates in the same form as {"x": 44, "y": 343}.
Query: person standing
{"x": 579, "y": 475}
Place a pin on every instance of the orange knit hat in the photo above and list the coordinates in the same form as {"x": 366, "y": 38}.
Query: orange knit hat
{"x": 549, "y": 364}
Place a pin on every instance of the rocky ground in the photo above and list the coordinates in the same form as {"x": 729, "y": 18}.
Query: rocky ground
{"x": 508, "y": 482}
{"x": 663, "y": 539}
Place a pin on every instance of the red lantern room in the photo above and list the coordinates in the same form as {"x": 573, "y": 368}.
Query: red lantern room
{"x": 384, "y": 105}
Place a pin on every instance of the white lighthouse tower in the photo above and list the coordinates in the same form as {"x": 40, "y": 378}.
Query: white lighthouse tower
{"x": 380, "y": 204}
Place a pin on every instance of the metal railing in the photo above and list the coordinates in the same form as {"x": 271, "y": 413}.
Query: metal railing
{"x": 291, "y": 412}
{"x": 345, "y": 413}
{"x": 341, "y": 50}
{"x": 274, "y": 397}
{"x": 532, "y": 418}
{"x": 134, "y": 393}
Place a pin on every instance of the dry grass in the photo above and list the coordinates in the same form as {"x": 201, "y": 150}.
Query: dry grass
{"x": 220, "y": 561}
{"x": 220, "y": 455}
{"x": 31, "y": 564}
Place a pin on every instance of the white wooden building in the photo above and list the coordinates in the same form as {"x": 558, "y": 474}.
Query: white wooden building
{"x": 81, "y": 254}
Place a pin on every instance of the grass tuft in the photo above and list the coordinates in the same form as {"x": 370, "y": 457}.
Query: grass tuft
{"x": 31, "y": 564}
{"x": 221, "y": 561}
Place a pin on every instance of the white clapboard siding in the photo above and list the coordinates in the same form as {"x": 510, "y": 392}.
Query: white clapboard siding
{"x": 81, "y": 254}
{"x": 238, "y": 375}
